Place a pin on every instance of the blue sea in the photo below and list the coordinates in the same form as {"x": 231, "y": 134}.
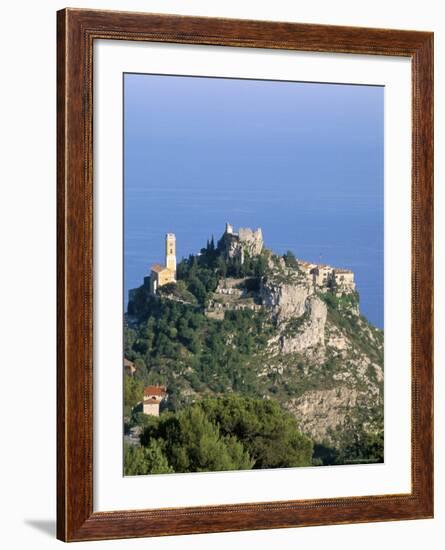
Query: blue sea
{"x": 303, "y": 161}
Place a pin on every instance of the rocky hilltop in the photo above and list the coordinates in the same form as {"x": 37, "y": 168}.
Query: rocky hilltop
{"x": 241, "y": 319}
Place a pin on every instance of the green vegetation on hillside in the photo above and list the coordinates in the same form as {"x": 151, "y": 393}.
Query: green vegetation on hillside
{"x": 201, "y": 273}
{"x": 214, "y": 434}
{"x": 365, "y": 336}
{"x": 359, "y": 440}
{"x": 179, "y": 346}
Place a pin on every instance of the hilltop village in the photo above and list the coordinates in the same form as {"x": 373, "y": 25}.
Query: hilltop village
{"x": 235, "y": 293}
{"x": 242, "y": 293}
{"x": 232, "y": 293}
{"x": 238, "y": 321}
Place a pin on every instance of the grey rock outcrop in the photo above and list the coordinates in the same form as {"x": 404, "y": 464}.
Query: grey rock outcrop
{"x": 311, "y": 333}
{"x": 320, "y": 411}
{"x": 285, "y": 300}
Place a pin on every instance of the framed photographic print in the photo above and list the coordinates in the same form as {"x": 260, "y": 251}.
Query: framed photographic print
{"x": 245, "y": 228}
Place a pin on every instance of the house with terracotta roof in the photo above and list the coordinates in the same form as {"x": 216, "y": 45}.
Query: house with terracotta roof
{"x": 153, "y": 395}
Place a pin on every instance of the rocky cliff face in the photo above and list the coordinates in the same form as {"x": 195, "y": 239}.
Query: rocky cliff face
{"x": 321, "y": 411}
{"x": 322, "y": 342}
{"x": 299, "y": 313}
{"x": 285, "y": 300}
{"x": 310, "y": 334}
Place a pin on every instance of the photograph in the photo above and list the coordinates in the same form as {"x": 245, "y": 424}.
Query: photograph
{"x": 223, "y": 272}
{"x": 253, "y": 299}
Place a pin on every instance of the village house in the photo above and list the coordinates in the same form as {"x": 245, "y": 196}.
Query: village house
{"x": 153, "y": 395}
{"x": 344, "y": 278}
{"x": 322, "y": 275}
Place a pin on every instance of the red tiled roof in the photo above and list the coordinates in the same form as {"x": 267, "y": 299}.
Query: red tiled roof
{"x": 155, "y": 390}
{"x": 157, "y": 268}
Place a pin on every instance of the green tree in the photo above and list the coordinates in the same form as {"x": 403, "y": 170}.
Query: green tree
{"x": 145, "y": 460}
{"x": 229, "y": 433}
{"x": 197, "y": 288}
{"x": 133, "y": 393}
{"x": 269, "y": 434}
{"x": 193, "y": 444}
{"x": 290, "y": 260}
{"x": 221, "y": 266}
{"x": 359, "y": 440}
{"x": 201, "y": 447}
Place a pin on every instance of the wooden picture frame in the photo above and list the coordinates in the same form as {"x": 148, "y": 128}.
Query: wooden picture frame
{"x": 76, "y": 32}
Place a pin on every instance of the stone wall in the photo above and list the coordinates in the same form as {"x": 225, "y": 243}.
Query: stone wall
{"x": 251, "y": 240}
{"x": 235, "y": 245}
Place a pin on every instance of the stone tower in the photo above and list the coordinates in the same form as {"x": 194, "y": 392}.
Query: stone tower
{"x": 170, "y": 252}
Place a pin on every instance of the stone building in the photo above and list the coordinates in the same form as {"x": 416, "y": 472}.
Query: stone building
{"x": 153, "y": 395}
{"x": 344, "y": 279}
{"x": 322, "y": 276}
{"x": 163, "y": 274}
{"x": 237, "y": 244}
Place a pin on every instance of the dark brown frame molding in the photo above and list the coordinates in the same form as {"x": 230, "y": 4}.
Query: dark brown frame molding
{"x": 76, "y": 32}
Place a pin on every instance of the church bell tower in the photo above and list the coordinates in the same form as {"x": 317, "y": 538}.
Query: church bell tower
{"x": 170, "y": 252}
